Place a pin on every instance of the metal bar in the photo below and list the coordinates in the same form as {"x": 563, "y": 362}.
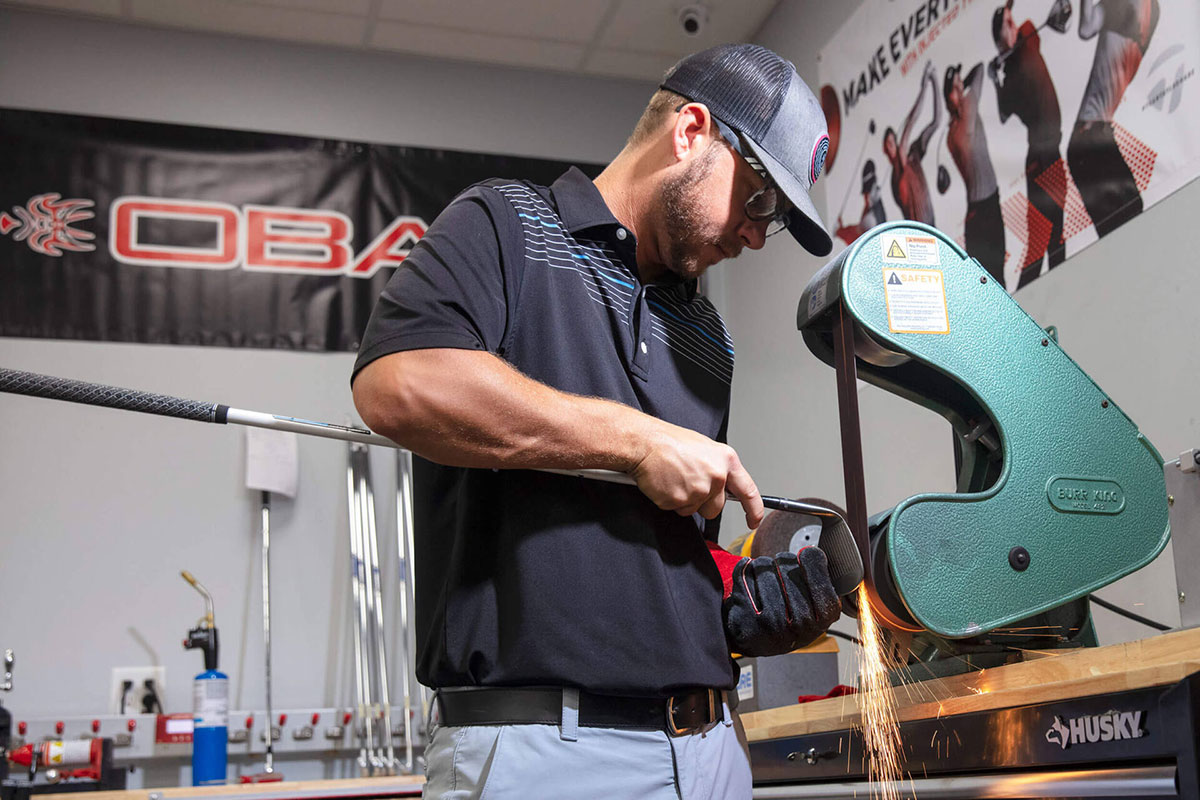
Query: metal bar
{"x": 388, "y": 753}
{"x": 1156, "y": 781}
{"x": 356, "y": 589}
{"x": 367, "y": 611}
{"x": 404, "y": 533}
{"x": 266, "y": 589}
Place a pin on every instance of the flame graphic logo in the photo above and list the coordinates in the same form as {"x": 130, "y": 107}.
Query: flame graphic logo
{"x": 45, "y": 224}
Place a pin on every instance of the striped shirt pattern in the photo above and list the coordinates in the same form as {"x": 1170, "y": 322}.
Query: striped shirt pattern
{"x": 691, "y": 328}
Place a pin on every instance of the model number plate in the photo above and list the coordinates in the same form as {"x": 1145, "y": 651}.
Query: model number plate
{"x": 1085, "y": 495}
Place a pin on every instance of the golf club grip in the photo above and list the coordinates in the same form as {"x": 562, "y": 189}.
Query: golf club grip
{"x": 97, "y": 394}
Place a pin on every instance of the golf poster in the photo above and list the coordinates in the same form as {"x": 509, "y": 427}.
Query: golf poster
{"x": 1025, "y": 130}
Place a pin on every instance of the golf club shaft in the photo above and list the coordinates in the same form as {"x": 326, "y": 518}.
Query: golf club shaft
{"x": 35, "y": 385}
{"x": 850, "y": 185}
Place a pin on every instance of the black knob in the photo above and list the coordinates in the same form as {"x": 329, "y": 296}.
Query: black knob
{"x": 1018, "y": 559}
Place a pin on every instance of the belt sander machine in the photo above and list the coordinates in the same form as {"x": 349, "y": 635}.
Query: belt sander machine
{"x": 1057, "y": 495}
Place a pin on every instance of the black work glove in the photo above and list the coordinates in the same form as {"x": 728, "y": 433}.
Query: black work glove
{"x": 778, "y": 604}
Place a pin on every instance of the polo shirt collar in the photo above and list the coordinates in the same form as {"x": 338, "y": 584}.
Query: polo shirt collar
{"x": 580, "y": 204}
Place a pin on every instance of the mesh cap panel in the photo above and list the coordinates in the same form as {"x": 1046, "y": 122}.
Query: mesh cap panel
{"x": 743, "y": 85}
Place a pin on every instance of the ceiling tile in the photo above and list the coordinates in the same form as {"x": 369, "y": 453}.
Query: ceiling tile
{"x": 653, "y": 26}
{"x": 442, "y": 43}
{"x": 102, "y": 8}
{"x": 624, "y": 64}
{"x": 575, "y": 21}
{"x": 228, "y": 16}
{"x": 354, "y": 8}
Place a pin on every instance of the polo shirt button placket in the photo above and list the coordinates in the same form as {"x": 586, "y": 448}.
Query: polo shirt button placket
{"x": 641, "y": 333}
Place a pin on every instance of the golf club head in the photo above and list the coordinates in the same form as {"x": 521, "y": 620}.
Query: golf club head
{"x": 1060, "y": 15}
{"x": 816, "y": 522}
{"x": 943, "y": 179}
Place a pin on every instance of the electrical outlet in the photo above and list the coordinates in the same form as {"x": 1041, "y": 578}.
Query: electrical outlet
{"x": 137, "y": 691}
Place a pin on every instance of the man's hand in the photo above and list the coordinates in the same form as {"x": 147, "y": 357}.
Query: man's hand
{"x": 688, "y": 473}
{"x": 775, "y": 605}
{"x": 930, "y": 73}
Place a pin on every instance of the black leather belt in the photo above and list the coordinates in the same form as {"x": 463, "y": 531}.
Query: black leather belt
{"x": 543, "y": 706}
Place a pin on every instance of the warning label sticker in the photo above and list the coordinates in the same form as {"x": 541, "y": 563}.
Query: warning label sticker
{"x": 905, "y": 248}
{"x": 916, "y": 300}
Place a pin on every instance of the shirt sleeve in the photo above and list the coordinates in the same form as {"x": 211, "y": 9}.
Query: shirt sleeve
{"x": 452, "y": 289}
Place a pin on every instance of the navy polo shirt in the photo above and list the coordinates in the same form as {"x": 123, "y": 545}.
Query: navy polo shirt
{"x": 527, "y": 578}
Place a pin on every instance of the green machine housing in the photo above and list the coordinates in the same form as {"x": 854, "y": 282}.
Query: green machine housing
{"x": 1057, "y": 495}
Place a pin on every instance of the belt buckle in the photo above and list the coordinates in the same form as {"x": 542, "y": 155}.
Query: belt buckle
{"x": 675, "y": 730}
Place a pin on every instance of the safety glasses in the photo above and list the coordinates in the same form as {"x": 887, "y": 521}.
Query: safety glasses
{"x": 768, "y": 203}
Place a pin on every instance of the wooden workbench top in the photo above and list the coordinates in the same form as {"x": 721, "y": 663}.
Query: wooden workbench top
{"x": 387, "y": 786}
{"x": 1162, "y": 659}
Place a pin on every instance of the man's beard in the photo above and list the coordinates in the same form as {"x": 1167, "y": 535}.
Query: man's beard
{"x": 681, "y": 204}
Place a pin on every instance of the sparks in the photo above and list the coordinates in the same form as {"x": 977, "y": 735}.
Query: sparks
{"x": 881, "y": 730}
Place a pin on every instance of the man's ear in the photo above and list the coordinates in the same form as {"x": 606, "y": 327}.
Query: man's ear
{"x": 693, "y": 131}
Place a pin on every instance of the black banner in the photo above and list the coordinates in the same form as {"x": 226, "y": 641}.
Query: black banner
{"x": 113, "y": 230}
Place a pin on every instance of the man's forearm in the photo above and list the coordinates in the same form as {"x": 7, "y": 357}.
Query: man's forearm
{"x": 470, "y": 408}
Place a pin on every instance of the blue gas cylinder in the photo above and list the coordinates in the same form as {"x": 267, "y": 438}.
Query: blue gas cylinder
{"x": 210, "y": 732}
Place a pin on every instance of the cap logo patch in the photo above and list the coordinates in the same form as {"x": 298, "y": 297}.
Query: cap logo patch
{"x": 818, "y": 158}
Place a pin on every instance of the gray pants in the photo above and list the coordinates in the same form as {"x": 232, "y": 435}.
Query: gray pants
{"x": 556, "y": 762}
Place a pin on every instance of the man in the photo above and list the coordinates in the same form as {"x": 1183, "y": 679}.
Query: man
{"x": 909, "y": 188}
{"x": 1027, "y": 92}
{"x": 872, "y": 212}
{"x": 1105, "y": 181}
{"x": 578, "y": 632}
{"x": 967, "y": 142}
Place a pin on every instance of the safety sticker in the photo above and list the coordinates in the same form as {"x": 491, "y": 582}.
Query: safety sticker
{"x": 907, "y": 248}
{"x": 916, "y": 300}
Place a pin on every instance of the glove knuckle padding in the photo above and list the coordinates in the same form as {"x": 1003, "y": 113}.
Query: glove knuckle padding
{"x": 827, "y": 606}
{"x": 778, "y": 604}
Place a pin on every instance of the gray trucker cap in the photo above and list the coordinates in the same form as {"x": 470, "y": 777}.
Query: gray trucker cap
{"x": 758, "y": 94}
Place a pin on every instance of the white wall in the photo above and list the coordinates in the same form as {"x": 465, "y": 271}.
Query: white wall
{"x": 1123, "y": 309}
{"x": 101, "y": 509}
